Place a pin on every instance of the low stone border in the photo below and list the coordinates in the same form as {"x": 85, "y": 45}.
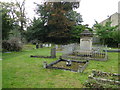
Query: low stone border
{"x": 42, "y": 56}
{"x": 114, "y": 50}
{"x": 81, "y": 69}
{"x": 103, "y": 80}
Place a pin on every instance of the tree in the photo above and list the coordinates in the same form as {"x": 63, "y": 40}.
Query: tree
{"x": 105, "y": 32}
{"x": 16, "y": 12}
{"x": 21, "y": 14}
{"x": 55, "y": 17}
{"x": 36, "y": 31}
{"x": 116, "y": 36}
{"x": 76, "y": 30}
{"x": 74, "y": 16}
{"x": 58, "y": 18}
{"x": 7, "y": 21}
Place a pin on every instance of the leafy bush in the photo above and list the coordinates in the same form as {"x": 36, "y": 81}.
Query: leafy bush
{"x": 11, "y": 45}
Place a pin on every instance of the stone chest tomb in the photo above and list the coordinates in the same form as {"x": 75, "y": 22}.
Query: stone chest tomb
{"x": 86, "y": 41}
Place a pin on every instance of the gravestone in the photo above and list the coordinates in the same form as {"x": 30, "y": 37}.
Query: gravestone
{"x": 49, "y": 45}
{"x": 46, "y": 45}
{"x": 41, "y": 45}
{"x": 56, "y": 46}
{"x": 53, "y": 52}
{"x": 79, "y": 69}
{"x": 44, "y": 64}
{"x": 37, "y": 45}
{"x": 68, "y": 49}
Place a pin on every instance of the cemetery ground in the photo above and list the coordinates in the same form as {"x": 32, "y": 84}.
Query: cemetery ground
{"x": 19, "y": 70}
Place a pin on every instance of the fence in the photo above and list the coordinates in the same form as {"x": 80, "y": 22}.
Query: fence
{"x": 73, "y": 51}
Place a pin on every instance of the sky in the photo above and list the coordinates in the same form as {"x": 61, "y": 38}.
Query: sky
{"x": 90, "y": 10}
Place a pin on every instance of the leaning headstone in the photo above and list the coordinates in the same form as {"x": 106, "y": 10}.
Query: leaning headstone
{"x": 53, "y": 52}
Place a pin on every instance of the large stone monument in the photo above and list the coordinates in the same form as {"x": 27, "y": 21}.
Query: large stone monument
{"x": 86, "y": 41}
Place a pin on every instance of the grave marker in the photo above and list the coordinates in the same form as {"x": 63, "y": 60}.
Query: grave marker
{"x": 53, "y": 52}
{"x": 44, "y": 64}
{"x": 37, "y": 45}
{"x": 41, "y": 45}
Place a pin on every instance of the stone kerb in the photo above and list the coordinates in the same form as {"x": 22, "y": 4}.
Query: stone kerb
{"x": 100, "y": 77}
{"x": 80, "y": 69}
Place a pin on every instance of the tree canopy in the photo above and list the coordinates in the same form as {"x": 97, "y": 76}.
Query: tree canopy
{"x": 7, "y": 21}
{"x": 56, "y": 20}
{"x": 106, "y": 32}
{"x": 13, "y": 17}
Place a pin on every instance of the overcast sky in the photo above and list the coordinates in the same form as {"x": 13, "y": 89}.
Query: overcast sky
{"x": 90, "y": 10}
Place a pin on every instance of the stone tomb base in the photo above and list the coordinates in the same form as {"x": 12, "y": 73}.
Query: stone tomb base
{"x": 86, "y": 55}
{"x": 81, "y": 52}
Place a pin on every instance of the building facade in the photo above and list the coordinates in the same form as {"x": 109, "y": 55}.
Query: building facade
{"x": 114, "y": 19}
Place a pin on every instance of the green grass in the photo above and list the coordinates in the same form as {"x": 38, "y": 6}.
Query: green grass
{"x": 19, "y": 70}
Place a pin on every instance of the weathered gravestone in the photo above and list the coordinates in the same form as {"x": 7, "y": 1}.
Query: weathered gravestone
{"x": 53, "y": 53}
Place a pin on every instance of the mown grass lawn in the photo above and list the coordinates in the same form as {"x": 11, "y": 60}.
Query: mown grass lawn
{"x": 19, "y": 70}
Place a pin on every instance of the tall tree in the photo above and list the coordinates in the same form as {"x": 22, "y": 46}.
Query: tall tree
{"x": 21, "y": 14}
{"x": 7, "y": 21}
{"x": 55, "y": 16}
{"x": 58, "y": 19}
{"x": 16, "y": 12}
{"x": 36, "y": 31}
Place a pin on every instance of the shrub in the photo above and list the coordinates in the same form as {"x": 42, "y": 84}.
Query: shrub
{"x": 11, "y": 45}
